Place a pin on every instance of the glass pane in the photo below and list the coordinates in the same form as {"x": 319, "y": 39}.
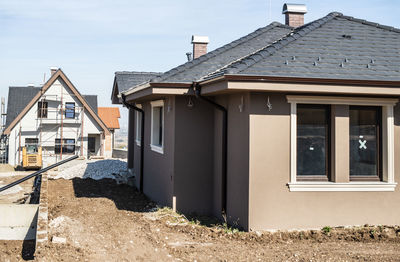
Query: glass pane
{"x": 312, "y": 140}
{"x": 364, "y": 139}
{"x": 157, "y": 126}
{"x": 138, "y": 125}
{"x": 70, "y": 110}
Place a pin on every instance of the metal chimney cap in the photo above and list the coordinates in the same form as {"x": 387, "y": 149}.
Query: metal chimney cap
{"x": 294, "y": 8}
{"x": 196, "y": 39}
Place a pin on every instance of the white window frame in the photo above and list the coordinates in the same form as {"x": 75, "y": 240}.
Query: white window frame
{"x": 387, "y": 104}
{"x": 138, "y": 125}
{"x": 156, "y": 148}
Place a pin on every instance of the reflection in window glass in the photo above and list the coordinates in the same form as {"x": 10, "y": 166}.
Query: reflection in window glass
{"x": 69, "y": 110}
{"x": 157, "y": 125}
{"x": 365, "y": 125}
{"x": 312, "y": 140}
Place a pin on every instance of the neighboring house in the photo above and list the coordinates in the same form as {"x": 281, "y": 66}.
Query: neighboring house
{"x": 110, "y": 116}
{"x": 57, "y": 118}
{"x": 290, "y": 127}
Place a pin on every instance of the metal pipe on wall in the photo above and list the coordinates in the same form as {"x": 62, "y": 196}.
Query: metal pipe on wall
{"x": 224, "y": 187}
{"x": 129, "y": 106}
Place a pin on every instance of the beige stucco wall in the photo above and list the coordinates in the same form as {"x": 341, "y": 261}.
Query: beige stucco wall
{"x": 272, "y": 206}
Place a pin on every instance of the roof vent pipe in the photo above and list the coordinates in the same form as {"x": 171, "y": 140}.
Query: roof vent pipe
{"x": 189, "y": 56}
{"x": 294, "y": 14}
{"x": 199, "y": 45}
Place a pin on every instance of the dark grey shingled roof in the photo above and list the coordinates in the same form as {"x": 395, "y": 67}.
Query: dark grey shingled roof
{"x": 334, "y": 47}
{"x": 92, "y": 101}
{"x": 126, "y": 80}
{"x": 20, "y": 96}
{"x": 220, "y": 57}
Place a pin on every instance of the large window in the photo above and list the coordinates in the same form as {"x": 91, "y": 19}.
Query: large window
{"x": 70, "y": 110}
{"x": 157, "y": 125}
{"x": 68, "y": 146}
{"x": 340, "y": 143}
{"x": 42, "y": 109}
{"x": 313, "y": 128}
{"x": 365, "y": 143}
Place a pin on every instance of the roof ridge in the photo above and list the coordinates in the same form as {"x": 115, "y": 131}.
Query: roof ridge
{"x": 137, "y": 72}
{"x": 377, "y": 25}
{"x": 268, "y": 50}
{"x": 24, "y": 87}
{"x": 218, "y": 51}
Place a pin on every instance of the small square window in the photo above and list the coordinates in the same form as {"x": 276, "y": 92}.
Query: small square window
{"x": 42, "y": 109}
{"x": 68, "y": 146}
{"x": 70, "y": 110}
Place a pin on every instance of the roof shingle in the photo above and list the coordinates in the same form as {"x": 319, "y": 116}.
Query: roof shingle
{"x": 334, "y": 47}
{"x": 109, "y": 115}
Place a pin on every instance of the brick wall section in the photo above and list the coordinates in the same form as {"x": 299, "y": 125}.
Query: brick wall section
{"x": 42, "y": 223}
{"x": 199, "y": 49}
{"x": 294, "y": 20}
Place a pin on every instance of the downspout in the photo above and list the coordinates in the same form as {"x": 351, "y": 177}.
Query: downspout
{"x": 141, "y": 139}
{"x": 224, "y": 146}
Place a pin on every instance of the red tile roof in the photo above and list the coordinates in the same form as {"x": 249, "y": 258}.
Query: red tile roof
{"x": 109, "y": 115}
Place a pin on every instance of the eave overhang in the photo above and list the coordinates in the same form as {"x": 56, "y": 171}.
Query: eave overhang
{"x": 234, "y": 83}
{"x": 152, "y": 90}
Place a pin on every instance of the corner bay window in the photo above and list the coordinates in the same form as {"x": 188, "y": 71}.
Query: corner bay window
{"x": 313, "y": 136}
{"x": 365, "y": 143}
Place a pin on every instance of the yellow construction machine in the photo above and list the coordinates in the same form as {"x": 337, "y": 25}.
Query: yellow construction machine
{"x": 32, "y": 157}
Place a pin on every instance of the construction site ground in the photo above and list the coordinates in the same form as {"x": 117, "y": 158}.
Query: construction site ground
{"x": 103, "y": 221}
{"x": 18, "y": 193}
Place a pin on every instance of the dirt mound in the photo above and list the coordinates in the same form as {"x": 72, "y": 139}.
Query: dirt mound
{"x": 104, "y": 221}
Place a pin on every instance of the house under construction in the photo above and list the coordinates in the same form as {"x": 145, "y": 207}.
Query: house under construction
{"x": 55, "y": 118}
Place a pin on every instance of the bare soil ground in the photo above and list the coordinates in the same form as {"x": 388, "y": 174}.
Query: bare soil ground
{"x": 17, "y": 193}
{"x": 103, "y": 221}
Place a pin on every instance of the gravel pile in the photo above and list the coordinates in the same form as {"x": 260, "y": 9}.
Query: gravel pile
{"x": 94, "y": 169}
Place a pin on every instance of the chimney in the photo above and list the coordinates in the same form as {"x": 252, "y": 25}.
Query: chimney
{"x": 199, "y": 45}
{"x": 294, "y": 14}
{"x": 53, "y": 69}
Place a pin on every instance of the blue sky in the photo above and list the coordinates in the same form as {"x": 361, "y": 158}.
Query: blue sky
{"x": 92, "y": 39}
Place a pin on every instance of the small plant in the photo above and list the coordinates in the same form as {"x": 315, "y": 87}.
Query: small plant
{"x": 326, "y": 229}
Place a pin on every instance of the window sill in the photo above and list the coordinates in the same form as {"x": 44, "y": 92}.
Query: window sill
{"x": 157, "y": 149}
{"x": 331, "y": 186}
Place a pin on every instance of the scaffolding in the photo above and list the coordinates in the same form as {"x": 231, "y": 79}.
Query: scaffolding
{"x": 3, "y": 138}
{"x": 54, "y": 119}
{"x": 57, "y": 123}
